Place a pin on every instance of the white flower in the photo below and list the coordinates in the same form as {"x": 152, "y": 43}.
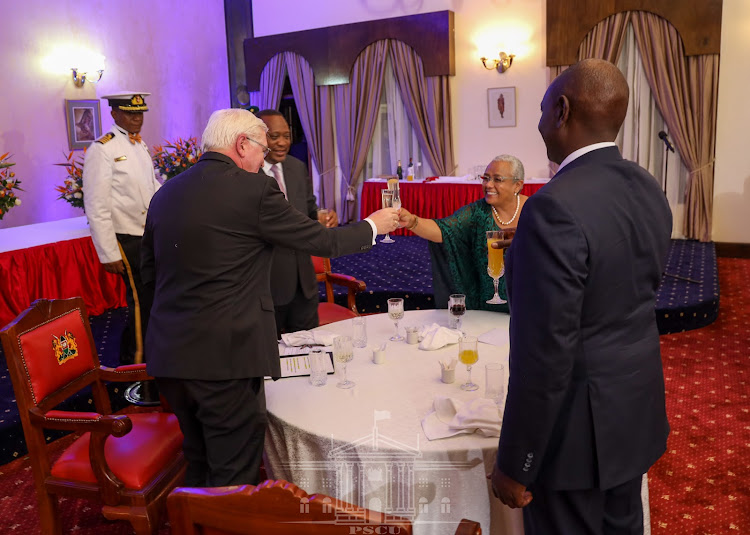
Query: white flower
{"x": 67, "y": 195}
{"x": 18, "y": 202}
{"x": 77, "y": 195}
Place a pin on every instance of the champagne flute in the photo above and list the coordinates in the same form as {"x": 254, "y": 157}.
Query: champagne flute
{"x": 396, "y": 312}
{"x": 495, "y": 263}
{"x": 386, "y": 196}
{"x": 396, "y": 203}
{"x": 468, "y": 354}
{"x": 343, "y": 352}
{"x": 457, "y": 308}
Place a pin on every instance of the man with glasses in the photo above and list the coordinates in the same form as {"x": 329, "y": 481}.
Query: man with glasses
{"x": 293, "y": 284}
{"x": 207, "y": 248}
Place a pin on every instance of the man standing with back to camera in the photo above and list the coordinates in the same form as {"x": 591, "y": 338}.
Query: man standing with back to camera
{"x": 585, "y": 415}
{"x": 294, "y": 286}
{"x": 207, "y": 247}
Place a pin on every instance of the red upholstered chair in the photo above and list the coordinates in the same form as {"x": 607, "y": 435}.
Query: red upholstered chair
{"x": 328, "y": 311}
{"x": 128, "y": 463}
{"x": 281, "y": 508}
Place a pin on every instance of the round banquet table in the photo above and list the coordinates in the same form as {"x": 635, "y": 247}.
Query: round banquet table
{"x": 366, "y": 445}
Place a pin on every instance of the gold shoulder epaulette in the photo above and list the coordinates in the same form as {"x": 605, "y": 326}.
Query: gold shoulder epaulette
{"x": 106, "y": 137}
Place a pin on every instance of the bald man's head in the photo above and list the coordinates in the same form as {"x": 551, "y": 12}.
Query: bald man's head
{"x": 586, "y": 104}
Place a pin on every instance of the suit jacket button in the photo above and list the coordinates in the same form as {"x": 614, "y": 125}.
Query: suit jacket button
{"x": 143, "y": 211}
{"x": 525, "y": 469}
{"x": 527, "y": 465}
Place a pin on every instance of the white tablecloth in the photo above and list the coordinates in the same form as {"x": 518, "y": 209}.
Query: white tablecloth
{"x": 366, "y": 445}
{"x": 15, "y": 238}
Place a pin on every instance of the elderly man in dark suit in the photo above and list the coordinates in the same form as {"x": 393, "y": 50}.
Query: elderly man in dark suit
{"x": 207, "y": 247}
{"x": 293, "y": 284}
{"x": 585, "y": 415}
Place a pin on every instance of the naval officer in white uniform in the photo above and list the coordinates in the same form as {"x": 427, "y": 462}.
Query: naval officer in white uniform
{"x": 118, "y": 183}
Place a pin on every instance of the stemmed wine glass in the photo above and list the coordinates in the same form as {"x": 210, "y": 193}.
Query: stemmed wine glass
{"x": 387, "y": 196}
{"x": 468, "y": 354}
{"x": 495, "y": 263}
{"x": 343, "y": 352}
{"x": 396, "y": 312}
{"x": 396, "y": 199}
{"x": 457, "y": 308}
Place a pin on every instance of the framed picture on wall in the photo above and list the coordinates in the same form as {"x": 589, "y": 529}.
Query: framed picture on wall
{"x": 501, "y": 104}
{"x": 84, "y": 122}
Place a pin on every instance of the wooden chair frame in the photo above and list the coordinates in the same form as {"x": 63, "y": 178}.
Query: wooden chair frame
{"x": 141, "y": 507}
{"x": 281, "y": 508}
{"x": 352, "y": 284}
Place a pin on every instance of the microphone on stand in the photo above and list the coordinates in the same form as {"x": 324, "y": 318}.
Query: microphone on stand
{"x": 665, "y": 139}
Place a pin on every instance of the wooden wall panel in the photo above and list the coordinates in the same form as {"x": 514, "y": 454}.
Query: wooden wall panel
{"x": 331, "y": 51}
{"x": 568, "y": 22}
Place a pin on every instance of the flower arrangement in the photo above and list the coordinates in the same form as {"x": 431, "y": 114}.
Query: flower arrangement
{"x": 183, "y": 155}
{"x": 8, "y": 183}
{"x": 72, "y": 189}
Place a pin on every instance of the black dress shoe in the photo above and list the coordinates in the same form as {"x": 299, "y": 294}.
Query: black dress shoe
{"x": 143, "y": 393}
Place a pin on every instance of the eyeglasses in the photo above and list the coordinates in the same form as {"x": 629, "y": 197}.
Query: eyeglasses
{"x": 497, "y": 179}
{"x": 266, "y": 150}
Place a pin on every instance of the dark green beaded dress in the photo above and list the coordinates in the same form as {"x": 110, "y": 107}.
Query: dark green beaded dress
{"x": 465, "y": 248}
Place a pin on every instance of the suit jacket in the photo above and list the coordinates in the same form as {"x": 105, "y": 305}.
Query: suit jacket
{"x": 585, "y": 406}
{"x": 207, "y": 249}
{"x": 290, "y": 266}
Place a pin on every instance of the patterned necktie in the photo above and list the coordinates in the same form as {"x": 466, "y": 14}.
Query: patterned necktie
{"x": 134, "y": 138}
{"x": 277, "y": 175}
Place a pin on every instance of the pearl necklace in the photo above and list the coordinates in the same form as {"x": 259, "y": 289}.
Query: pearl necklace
{"x": 518, "y": 205}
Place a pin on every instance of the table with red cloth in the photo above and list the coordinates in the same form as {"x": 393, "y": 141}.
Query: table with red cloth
{"x": 54, "y": 260}
{"x": 432, "y": 200}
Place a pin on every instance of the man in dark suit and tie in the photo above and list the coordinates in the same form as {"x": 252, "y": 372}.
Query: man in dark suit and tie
{"x": 294, "y": 286}
{"x": 585, "y": 415}
{"x": 206, "y": 251}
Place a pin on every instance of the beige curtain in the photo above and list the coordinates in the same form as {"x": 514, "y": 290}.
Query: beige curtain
{"x": 686, "y": 92}
{"x": 357, "y": 106}
{"x": 604, "y": 41}
{"x": 427, "y": 101}
{"x": 271, "y": 84}
{"x": 314, "y": 108}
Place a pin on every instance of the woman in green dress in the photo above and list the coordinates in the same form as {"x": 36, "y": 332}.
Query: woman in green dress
{"x": 462, "y": 235}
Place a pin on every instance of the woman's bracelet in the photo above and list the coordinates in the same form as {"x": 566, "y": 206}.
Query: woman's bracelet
{"x": 414, "y": 225}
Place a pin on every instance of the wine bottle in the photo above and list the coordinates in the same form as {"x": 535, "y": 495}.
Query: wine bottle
{"x": 399, "y": 171}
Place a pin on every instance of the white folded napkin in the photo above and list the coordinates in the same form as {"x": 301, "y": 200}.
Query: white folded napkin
{"x": 495, "y": 337}
{"x": 306, "y": 338}
{"x": 436, "y": 336}
{"x": 452, "y": 417}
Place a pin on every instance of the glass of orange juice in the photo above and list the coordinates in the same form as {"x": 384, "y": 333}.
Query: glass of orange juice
{"x": 495, "y": 263}
{"x": 468, "y": 354}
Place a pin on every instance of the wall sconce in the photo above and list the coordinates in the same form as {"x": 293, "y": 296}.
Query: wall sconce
{"x": 502, "y": 64}
{"x": 80, "y": 78}
{"x": 87, "y": 66}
